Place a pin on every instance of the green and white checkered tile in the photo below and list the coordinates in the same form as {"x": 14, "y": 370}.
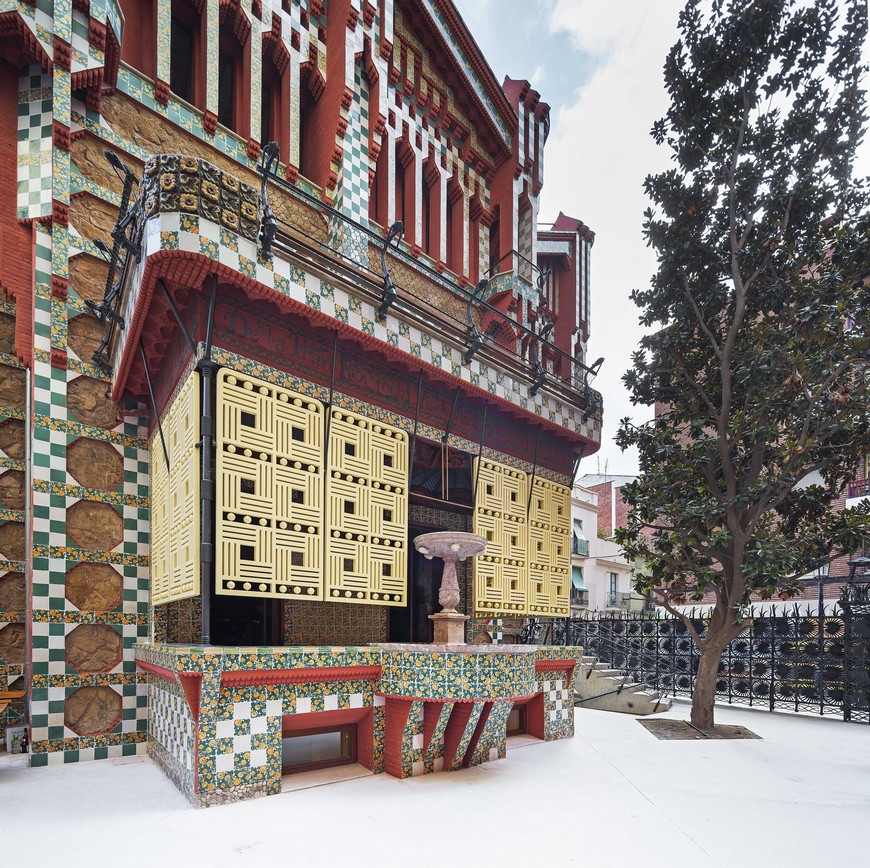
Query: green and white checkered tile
{"x": 34, "y": 143}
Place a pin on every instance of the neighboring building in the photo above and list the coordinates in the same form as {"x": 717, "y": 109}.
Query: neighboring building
{"x": 612, "y": 509}
{"x": 600, "y": 575}
{"x": 222, "y": 423}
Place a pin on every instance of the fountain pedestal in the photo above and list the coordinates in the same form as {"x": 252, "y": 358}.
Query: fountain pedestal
{"x": 451, "y": 546}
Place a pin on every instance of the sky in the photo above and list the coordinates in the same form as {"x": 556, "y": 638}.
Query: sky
{"x": 598, "y": 64}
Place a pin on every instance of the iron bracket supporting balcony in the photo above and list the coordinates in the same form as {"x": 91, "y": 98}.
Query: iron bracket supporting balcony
{"x": 476, "y": 340}
{"x": 389, "y": 294}
{"x": 269, "y": 225}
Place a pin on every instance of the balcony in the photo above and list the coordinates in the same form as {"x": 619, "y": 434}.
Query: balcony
{"x": 857, "y": 492}
{"x": 191, "y": 210}
{"x": 579, "y": 598}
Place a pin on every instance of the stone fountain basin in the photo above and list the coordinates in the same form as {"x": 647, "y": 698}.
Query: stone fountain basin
{"x": 457, "y": 672}
{"x": 450, "y": 544}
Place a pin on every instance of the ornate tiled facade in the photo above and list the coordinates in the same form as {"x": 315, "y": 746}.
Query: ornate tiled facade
{"x": 76, "y": 85}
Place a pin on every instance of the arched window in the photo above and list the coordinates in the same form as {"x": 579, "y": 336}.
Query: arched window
{"x": 453, "y": 228}
{"x": 379, "y": 188}
{"x": 307, "y": 133}
{"x": 430, "y": 208}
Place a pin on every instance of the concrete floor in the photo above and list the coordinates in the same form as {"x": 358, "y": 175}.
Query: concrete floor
{"x": 612, "y": 796}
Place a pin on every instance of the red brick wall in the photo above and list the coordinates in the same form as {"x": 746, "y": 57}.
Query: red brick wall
{"x": 604, "y": 491}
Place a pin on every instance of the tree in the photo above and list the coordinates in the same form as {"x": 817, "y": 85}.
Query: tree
{"x": 758, "y": 358}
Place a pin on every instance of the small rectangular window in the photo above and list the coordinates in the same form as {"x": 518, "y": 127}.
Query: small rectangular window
{"x": 349, "y": 449}
{"x": 246, "y": 553}
{"x": 388, "y": 461}
{"x": 297, "y": 495}
{"x": 348, "y": 565}
{"x": 349, "y": 507}
{"x": 489, "y": 489}
{"x": 247, "y": 486}
{"x": 298, "y": 434}
{"x": 181, "y": 60}
{"x": 297, "y": 559}
{"x": 249, "y": 420}
{"x": 387, "y": 570}
{"x": 388, "y": 515}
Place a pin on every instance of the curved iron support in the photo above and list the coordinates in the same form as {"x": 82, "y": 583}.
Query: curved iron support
{"x": 389, "y": 294}
{"x": 475, "y": 339}
{"x": 269, "y": 225}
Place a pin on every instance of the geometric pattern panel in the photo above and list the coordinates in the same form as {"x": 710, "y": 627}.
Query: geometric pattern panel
{"x": 549, "y": 550}
{"x": 175, "y": 500}
{"x": 501, "y": 578}
{"x": 367, "y": 511}
{"x": 269, "y": 490}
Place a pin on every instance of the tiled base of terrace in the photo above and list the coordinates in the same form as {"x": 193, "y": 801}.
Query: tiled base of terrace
{"x": 223, "y": 722}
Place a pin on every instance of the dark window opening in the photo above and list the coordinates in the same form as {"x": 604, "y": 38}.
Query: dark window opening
{"x": 308, "y": 749}
{"x": 249, "y": 420}
{"x": 267, "y": 123}
{"x": 349, "y": 507}
{"x": 348, "y": 565}
{"x": 181, "y": 60}
{"x": 297, "y": 495}
{"x": 388, "y": 461}
{"x": 388, "y": 515}
{"x": 298, "y": 434}
{"x": 246, "y": 553}
{"x": 516, "y": 722}
{"x": 495, "y": 247}
{"x": 247, "y": 486}
{"x": 226, "y": 89}
{"x": 307, "y": 133}
{"x": 297, "y": 559}
{"x": 349, "y": 449}
{"x": 386, "y": 570}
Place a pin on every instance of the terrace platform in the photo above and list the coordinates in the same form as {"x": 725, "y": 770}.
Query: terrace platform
{"x": 222, "y": 718}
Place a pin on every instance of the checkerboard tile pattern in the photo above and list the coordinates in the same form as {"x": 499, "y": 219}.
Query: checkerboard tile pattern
{"x": 34, "y": 143}
{"x": 170, "y": 724}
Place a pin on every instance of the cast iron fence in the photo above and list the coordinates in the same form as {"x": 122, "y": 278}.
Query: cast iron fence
{"x": 784, "y": 660}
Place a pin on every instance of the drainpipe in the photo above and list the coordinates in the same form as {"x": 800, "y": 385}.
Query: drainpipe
{"x": 28, "y": 541}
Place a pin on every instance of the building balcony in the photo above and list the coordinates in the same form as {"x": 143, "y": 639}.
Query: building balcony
{"x": 579, "y": 598}
{"x": 857, "y": 492}
{"x": 285, "y": 245}
{"x": 580, "y": 547}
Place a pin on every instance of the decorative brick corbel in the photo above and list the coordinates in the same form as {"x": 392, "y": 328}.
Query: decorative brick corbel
{"x": 346, "y": 98}
{"x": 58, "y": 358}
{"x": 253, "y": 150}
{"x": 62, "y": 53}
{"x": 97, "y": 34}
{"x": 209, "y": 122}
{"x": 292, "y": 173}
{"x": 60, "y": 212}
{"x": 385, "y": 49}
{"x": 368, "y": 13}
{"x": 332, "y": 181}
{"x": 352, "y": 19}
{"x": 60, "y": 135}
{"x": 59, "y": 287}
{"x": 161, "y": 92}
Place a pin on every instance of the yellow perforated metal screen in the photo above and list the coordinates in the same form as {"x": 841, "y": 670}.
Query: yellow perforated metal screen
{"x": 501, "y": 573}
{"x": 549, "y": 549}
{"x": 269, "y": 493}
{"x": 367, "y": 511}
{"x": 526, "y": 566}
{"x": 175, "y": 503}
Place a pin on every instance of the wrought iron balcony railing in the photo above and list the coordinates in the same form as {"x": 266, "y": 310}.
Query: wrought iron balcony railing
{"x": 860, "y": 488}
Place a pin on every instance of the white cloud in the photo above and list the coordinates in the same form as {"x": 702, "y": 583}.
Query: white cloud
{"x": 598, "y": 154}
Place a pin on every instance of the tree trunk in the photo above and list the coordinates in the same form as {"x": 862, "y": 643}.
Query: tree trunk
{"x": 704, "y": 694}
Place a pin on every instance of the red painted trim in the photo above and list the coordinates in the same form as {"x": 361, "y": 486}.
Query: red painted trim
{"x": 191, "y": 684}
{"x": 556, "y": 666}
{"x": 250, "y": 678}
{"x": 431, "y": 713}
{"x": 481, "y": 723}
{"x": 395, "y": 718}
{"x": 458, "y": 699}
{"x": 453, "y": 731}
{"x": 535, "y": 724}
{"x": 192, "y": 269}
{"x": 159, "y": 671}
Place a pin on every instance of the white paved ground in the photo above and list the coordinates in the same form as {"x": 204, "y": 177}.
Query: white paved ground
{"x": 612, "y": 796}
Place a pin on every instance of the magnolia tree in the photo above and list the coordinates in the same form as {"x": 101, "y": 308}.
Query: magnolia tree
{"x": 758, "y": 351}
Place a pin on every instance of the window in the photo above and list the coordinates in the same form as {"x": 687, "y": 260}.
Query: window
{"x": 140, "y": 17}
{"x": 226, "y": 89}
{"x": 613, "y": 577}
{"x": 495, "y": 247}
{"x": 181, "y": 59}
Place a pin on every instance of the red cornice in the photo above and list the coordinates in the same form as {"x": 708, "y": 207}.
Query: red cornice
{"x": 259, "y": 677}
{"x": 556, "y": 666}
{"x": 456, "y": 699}
{"x": 159, "y": 671}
